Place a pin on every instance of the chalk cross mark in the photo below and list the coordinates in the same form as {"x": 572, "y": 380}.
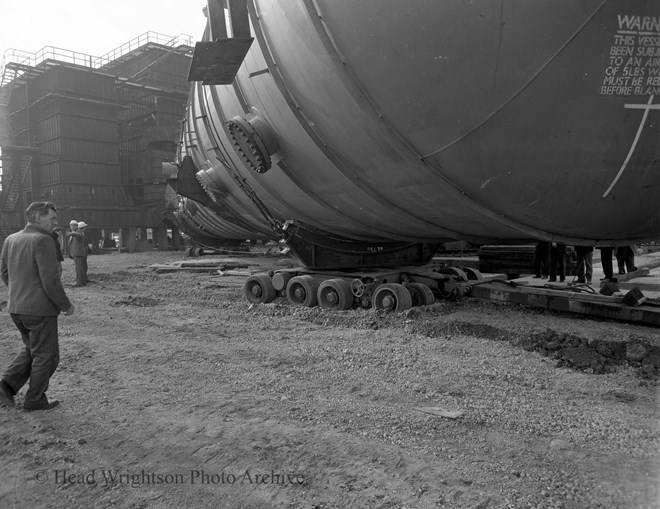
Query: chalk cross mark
{"x": 646, "y": 107}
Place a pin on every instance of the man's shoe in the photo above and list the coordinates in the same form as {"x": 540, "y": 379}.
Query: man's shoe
{"x": 552, "y": 279}
{"x": 47, "y": 406}
{"x": 6, "y": 396}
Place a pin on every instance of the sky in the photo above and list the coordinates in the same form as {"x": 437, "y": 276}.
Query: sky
{"x": 94, "y": 27}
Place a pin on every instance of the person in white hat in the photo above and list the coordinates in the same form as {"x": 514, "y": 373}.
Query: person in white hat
{"x": 73, "y": 226}
{"x": 78, "y": 251}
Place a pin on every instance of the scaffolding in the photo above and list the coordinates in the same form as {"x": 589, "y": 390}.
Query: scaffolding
{"x": 87, "y": 132}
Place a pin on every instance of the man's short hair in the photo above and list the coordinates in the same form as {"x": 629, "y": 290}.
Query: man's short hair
{"x": 40, "y": 208}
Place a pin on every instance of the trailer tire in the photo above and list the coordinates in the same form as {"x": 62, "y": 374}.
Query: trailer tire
{"x": 259, "y": 289}
{"x": 302, "y": 291}
{"x": 281, "y": 279}
{"x": 392, "y": 297}
{"x": 473, "y": 274}
{"x": 455, "y": 271}
{"x": 421, "y": 294}
{"x": 335, "y": 294}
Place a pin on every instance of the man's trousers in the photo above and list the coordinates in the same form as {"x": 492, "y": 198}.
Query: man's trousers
{"x": 81, "y": 270}
{"x": 38, "y": 359}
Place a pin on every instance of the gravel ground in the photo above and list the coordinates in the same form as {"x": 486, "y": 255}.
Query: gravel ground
{"x": 172, "y": 386}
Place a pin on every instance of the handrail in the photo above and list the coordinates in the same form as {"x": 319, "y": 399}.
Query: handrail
{"x": 141, "y": 40}
{"x": 83, "y": 59}
{"x": 47, "y": 52}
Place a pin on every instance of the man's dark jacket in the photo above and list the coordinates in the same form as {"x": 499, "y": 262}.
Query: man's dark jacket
{"x": 29, "y": 267}
{"x": 77, "y": 244}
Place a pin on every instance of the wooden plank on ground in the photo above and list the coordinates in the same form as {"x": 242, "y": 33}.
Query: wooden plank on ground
{"x": 644, "y": 271}
{"x": 165, "y": 269}
{"x": 243, "y": 273}
{"x": 440, "y": 412}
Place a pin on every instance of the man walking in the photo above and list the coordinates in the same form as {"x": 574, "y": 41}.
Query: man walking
{"x": 29, "y": 267}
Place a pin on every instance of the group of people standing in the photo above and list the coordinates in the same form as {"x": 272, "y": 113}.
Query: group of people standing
{"x": 625, "y": 260}
{"x": 550, "y": 261}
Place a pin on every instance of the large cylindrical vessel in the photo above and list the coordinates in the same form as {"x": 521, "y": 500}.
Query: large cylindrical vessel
{"x": 428, "y": 120}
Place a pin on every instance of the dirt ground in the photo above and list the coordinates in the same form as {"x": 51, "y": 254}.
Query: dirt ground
{"x": 175, "y": 392}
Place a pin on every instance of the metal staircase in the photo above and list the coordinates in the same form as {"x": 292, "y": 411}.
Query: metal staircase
{"x": 14, "y": 182}
{"x": 6, "y": 132}
{"x": 6, "y": 136}
{"x": 4, "y": 228}
{"x": 140, "y": 45}
{"x": 15, "y": 164}
{"x": 9, "y": 198}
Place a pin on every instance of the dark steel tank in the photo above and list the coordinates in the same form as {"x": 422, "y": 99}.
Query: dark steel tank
{"x": 422, "y": 121}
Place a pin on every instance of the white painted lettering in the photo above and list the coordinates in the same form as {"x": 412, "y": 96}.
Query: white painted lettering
{"x": 648, "y": 52}
{"x": 634, "y": 57}
{"x": 624, "y": 51}
{"x": 633, "y": 71}
{"x": 612, "y": 81}
{"x": 616, "y": 90}
{"x": 643, "y": 23}
{"x": 647, "y": 40}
